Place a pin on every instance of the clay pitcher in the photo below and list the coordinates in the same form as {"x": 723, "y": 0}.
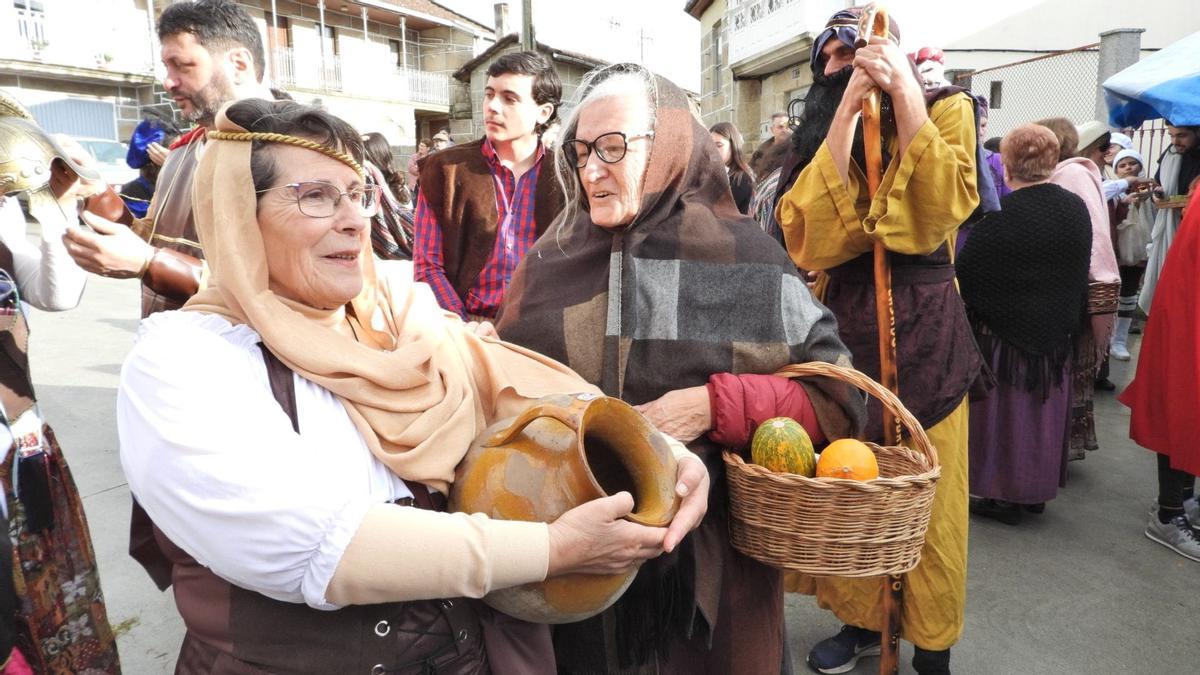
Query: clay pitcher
{"x": 564, "y": 451}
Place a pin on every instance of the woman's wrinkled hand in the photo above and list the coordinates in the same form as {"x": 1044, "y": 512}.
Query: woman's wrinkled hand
{"x": 593, "y": 538}
{"x": 682, "y": 414}
{"x": 692, "y": 487}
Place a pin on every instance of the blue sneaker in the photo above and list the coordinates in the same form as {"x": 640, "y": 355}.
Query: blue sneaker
{"x": 840, "y": 653}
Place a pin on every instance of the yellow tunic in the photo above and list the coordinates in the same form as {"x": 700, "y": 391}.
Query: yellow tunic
{"x": 925, "y": 195}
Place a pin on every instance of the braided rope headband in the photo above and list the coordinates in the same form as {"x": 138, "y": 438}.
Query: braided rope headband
{"x": 340, "y": 156}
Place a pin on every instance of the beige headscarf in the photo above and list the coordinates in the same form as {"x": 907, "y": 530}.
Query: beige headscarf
{"x": 418, "y": 404}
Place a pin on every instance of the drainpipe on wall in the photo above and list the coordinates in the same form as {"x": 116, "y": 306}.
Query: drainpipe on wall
{"x": 404, "y": 41}
{"x": 274, "y": 38}
{"x": 153, "y": 33}
{"x": 321, "y": 17}
{"x": 366, "y": 36}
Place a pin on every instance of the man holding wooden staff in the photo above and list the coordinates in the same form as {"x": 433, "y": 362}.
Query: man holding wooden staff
{"x": 929, "y": 187}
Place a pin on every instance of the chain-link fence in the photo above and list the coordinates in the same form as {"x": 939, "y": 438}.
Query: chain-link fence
{"x": 1061, "y": 84}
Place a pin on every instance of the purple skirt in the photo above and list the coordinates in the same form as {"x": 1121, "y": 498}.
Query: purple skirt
{"x": 1019, "y": 441}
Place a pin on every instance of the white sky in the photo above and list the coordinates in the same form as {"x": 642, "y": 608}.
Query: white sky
{"x": 655, "y": 32}
{"x": 671, "y": 44}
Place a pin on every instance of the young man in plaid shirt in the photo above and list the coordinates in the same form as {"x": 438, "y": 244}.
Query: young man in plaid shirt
{"x": 482, "y": 204}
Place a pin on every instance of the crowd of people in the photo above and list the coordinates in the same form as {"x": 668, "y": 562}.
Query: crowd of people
{"x": 638, "y": 255}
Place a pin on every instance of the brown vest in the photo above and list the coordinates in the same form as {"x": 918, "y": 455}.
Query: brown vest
{"x": 234, "y": 631}
{"x": 171, "y": 223}
{"x": 457, "y": 185}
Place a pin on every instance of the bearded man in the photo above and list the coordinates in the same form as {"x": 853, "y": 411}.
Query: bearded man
{"x": 930, "y": 187}
{"x": 213, "y": 54}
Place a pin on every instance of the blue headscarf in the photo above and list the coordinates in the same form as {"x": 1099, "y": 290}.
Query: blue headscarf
{"x": 844, "y": 26}
{"x": 147, "y": 131}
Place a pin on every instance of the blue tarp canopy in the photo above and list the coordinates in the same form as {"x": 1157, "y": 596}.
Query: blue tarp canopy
{"x": 1165, "y": 84}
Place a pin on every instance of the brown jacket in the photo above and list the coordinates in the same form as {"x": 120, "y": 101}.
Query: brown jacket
{"x": 174, "y": 274}
{"x": 176, "y": 267}
{"x": 457, "y": 185}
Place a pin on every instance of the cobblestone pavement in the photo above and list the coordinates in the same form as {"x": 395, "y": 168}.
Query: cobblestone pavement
{"x": 1076, "y": 590}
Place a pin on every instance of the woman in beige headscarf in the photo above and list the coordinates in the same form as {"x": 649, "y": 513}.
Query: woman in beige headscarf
{"x": 269, "y": 519}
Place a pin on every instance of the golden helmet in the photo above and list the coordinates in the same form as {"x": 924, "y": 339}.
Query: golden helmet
{"x": 26, "y": 151}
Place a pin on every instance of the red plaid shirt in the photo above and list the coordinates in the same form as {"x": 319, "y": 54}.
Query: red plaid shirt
{"x": 514, "y": 235}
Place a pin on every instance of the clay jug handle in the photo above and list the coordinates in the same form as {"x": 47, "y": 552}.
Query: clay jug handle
{"x": 567, "y": 416}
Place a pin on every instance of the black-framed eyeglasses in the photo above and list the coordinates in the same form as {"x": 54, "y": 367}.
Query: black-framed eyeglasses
{"x": 609, "y": 147}
{"x": 318, "y": 199}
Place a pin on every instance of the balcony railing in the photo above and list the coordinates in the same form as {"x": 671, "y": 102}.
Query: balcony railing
{"x": 419, "y": 86}
{"x": 370, "y": 76}
{"x": 331, "y": 72}
{"x": 61, "y": 36}
{"x": 31, "y": 28}
{"x": 757, "y": 26}
{"x": 283, "y": 67}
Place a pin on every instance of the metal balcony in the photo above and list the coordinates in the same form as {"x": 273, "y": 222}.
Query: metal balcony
{"x": 371, "y": 77}
{"x": 758, "y": 28}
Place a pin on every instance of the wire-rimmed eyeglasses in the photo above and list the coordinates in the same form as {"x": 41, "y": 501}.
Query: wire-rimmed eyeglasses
{"x": 610, "y": 147}
{"x": 318, "y": 199}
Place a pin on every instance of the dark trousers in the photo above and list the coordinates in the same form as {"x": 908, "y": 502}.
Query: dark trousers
{"x": 1174, "y": 486}
{"x": 1131, "y": 278}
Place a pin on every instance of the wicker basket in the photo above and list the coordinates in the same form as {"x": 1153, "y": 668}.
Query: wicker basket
{"x": 1103, "y": 297}
{"x": 833, "y": 526}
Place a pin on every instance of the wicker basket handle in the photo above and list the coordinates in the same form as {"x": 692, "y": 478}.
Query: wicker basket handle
{"x": 861, "y": 381}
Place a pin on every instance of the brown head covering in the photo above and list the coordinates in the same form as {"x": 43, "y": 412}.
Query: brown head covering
{"x": 421, "y": 400}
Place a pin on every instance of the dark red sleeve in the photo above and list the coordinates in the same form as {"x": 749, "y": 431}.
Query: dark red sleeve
{"x": 741, "y": 402}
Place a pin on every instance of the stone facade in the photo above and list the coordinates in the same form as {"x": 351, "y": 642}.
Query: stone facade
{"x": 746, "y": 101}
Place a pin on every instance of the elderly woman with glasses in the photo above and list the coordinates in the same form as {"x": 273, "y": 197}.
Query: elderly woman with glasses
{"x": 652, "y": 286}
{"x": 293, "y": 430}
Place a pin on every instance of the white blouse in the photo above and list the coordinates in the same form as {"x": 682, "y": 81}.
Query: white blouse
{"x": 46, "y": 275}
{"x": 212, "y": 457}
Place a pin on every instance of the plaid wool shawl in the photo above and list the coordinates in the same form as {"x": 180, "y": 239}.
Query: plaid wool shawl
{"x": 689, "y": 289}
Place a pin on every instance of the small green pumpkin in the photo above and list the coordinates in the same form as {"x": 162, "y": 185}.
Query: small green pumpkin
{"x": 781, "y": 445}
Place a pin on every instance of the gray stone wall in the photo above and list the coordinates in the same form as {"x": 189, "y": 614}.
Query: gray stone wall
{"x": 127, "y": 98}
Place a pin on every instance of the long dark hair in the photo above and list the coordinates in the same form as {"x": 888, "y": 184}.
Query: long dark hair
{"x": 378, "y": 151}
{"x": 737, "y": 163}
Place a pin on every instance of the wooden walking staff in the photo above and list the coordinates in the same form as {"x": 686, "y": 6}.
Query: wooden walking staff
{"x": 874, "y": 23}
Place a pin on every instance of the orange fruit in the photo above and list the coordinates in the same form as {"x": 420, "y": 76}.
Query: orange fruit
{"x": 847, "y": 458}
